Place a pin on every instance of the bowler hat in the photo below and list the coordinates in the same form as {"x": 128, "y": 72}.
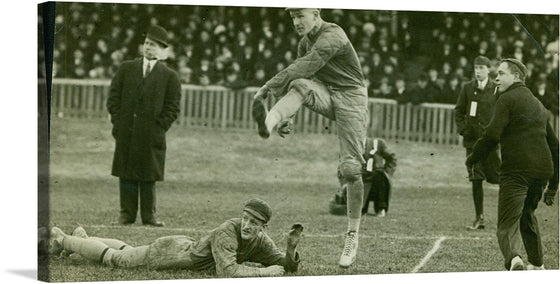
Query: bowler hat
{"x": 259, "y": 209}
{"x": 158, "y": 34}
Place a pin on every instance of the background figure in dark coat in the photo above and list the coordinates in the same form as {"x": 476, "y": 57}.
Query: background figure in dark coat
{"x": 546, "y": 96}
{"x": 380, "y": 166}
{"x": 451, "y": 90}
{"x": 400, "y": 92}
{"x": 143, "y": 103}
{"x": 529, "y": 148}
{"x": 434, "y": 88}
{"x": 424, "y": 92}
{"x": 473, "y": 111}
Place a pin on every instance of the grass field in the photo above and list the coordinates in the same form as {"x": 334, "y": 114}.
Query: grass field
{"x": 209, "y": 173}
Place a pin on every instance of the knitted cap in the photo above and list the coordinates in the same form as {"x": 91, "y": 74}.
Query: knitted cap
{"x": 482, "y": 60}
{"x": 259, "y": 209}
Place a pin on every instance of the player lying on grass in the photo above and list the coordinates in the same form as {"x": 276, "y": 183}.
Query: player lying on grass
{"x": 232, "y": 248}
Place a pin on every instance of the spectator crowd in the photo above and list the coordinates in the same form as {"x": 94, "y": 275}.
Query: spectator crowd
{"x": 411, "y": 57}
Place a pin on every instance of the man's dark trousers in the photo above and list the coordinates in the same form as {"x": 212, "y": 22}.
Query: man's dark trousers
{"x": 517, "y": 225}
{"x": 129, "y": 193}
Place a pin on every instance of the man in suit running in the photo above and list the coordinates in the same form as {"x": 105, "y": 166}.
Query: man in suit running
{"x": 529, "y": 148}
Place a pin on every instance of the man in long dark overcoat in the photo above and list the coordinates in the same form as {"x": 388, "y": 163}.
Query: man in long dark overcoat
{"x": 143, "y": 103}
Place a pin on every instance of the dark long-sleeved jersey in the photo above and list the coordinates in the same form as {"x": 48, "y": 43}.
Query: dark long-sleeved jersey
{"x": 328, "y": 56}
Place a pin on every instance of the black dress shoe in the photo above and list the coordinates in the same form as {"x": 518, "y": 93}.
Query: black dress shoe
{"x": 154, "y": 223}
{"x": 125, "y": 221}
{"x": 121, "y": 223}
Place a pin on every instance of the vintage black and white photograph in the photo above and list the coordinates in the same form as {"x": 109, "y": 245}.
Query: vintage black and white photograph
{"x": 200, "y": 141}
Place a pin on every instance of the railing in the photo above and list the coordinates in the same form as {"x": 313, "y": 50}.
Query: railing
{"x": 220, "y": 107}
{"x": 432, "y": 123}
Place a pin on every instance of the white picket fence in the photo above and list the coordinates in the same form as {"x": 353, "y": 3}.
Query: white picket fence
{"x": 220, "y": 107}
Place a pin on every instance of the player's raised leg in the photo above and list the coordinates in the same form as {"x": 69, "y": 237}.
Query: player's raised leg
{"x": 311, "y": 94}
{"x": 286, "y": 107}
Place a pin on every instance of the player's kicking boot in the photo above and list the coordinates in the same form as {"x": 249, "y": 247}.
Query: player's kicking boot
{"x": 259, "y": 114}
{"x": 350, "y": 249}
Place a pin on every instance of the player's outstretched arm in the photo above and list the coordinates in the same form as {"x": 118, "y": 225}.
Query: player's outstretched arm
{"x": 224, "y": 249}
{"x": 294, "y": 236}
{"x": 273, "y": 270}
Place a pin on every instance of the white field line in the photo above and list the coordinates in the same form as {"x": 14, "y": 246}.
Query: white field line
{"x": 341, "y": 235}
{"x": 429, "y": 255}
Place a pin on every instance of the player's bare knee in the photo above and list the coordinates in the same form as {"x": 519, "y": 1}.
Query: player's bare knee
{"x": 350, "y": 171}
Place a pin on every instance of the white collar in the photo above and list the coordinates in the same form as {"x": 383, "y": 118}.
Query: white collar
{"x": 152, "y": 63}
{"x": 482, "y": 84}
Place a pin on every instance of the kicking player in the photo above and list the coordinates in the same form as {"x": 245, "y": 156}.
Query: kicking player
{"x": 226, "y": 248}
{"x": 327, "y": 78}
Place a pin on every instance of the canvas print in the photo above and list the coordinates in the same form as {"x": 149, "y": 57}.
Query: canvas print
{"x": 192, "y": 141}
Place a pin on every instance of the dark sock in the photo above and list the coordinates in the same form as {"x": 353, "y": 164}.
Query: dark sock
{"x": 478, "y": 197}
{"x": 103, "y": 255}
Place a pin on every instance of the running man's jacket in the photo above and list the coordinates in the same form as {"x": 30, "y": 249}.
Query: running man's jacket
{"x": 527, "y": 141}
